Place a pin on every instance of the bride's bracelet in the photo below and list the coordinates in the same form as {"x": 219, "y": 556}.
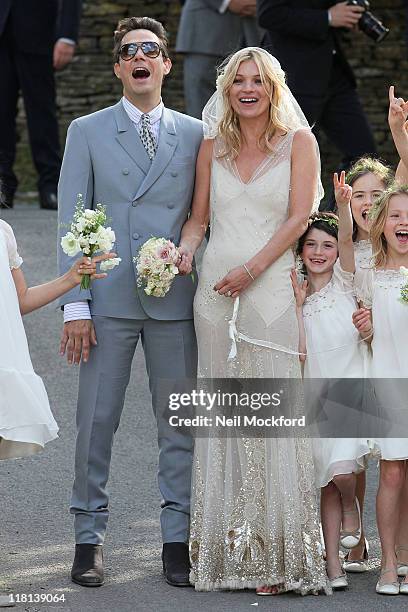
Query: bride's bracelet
{"x": 246, "y": 270}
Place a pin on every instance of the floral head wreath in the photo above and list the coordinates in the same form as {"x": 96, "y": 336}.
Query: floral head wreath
{"x": 332, "y": 221}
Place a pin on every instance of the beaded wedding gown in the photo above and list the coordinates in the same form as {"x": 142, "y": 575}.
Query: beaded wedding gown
{"x": 254, "y": 515}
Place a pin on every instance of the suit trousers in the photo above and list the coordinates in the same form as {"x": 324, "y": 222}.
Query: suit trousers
{"x": 171, "y": 356}
{"x": 200, "y": 73}
{"x": 34, "y": 76}
{"x": 340, "y": 115}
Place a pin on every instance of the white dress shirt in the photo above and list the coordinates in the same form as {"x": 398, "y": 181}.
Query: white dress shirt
{"x": 80, "y": 310}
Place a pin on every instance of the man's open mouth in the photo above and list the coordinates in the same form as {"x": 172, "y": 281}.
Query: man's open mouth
{"x": 140, "y": 72}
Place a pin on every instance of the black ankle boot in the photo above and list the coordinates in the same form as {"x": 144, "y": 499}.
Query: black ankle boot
{"x": 87, "y": 569}
{"x": 176, "y": 564}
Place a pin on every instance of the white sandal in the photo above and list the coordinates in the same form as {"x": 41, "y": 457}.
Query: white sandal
{"x": 350, "y": 539}
{"x": 402, "y": 568}
{"x": 404, "y": 588}
{"x": 388, "y": 588}
{"x": 357, "y": 566}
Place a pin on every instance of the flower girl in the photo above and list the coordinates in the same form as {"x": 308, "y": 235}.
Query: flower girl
{"x": 368, "y": 178}
{"x": 26, "y": 421}
{"x": 380, "y": 288}
{"x": 333, "y": 348}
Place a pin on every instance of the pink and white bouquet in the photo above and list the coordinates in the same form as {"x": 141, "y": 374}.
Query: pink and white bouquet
{"x": 156, "y": 266}
{"x": 89, "y": 235}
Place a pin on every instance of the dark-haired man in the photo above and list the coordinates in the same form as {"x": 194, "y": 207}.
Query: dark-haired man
{"x": 138, "y": 158}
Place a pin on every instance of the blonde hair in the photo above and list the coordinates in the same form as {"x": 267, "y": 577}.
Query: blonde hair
{"x": 379, "y": 213}
{"x": 272, "y": 78}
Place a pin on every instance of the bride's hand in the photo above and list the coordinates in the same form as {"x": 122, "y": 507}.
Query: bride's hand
{"x": 299, "y": 289}
{"x": 234, "y": 283}
{"x": 185, "y": 264}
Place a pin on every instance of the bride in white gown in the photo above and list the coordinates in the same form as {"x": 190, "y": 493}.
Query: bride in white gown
{"x": 254, "y": 515}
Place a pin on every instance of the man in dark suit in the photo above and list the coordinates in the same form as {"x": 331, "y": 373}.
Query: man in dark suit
{"x": 36, "y": 38}
{"x": 304, "y": 36}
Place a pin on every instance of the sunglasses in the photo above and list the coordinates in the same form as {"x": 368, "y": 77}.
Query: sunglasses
{"x": 150, "y": 49}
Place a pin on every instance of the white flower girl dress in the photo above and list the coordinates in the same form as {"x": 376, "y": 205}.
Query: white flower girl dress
{"x": 26, "y": 421}
{"x": 335, "y": 350}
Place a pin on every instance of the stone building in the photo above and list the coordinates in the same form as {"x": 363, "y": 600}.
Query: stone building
{"x": 89, "y": 83}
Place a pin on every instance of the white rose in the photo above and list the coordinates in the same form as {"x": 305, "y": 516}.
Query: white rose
{"x": 109, "y": 264}
{"x": 93, "y": 238}
{"x": 81, "y": 224}
{"x": 70, "y": 245}
{"x": 105, "y": 239}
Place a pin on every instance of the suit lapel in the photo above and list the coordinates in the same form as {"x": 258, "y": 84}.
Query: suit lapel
{"x": 129, "y": 139}
{"x": 168, "y": 141}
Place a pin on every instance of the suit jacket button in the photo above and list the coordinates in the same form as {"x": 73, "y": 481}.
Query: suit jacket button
{"x": 170, "y": 205}
{"x": 174, "y": 174}
{"x": 136, "y": 236}
{"x": 125, "y": 171}
{"x": 134, "y": 203}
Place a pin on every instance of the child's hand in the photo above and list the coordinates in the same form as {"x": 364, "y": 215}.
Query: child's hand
{"x": 363, "y": 322}
{"x": 299, "y": 289}
{"x": 342, "y": 191}
{"x": 398, "y": 111}
{"x": 86, "y": 265}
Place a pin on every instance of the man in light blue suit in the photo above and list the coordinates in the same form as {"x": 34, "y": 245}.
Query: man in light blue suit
{"x": 138, "y": 158}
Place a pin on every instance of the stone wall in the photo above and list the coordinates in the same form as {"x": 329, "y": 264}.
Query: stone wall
{"x": 89, "y": 84}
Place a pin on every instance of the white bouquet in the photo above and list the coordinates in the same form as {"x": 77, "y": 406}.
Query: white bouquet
{"x": 156, "y": 266}
{"x": 89, "y": 235}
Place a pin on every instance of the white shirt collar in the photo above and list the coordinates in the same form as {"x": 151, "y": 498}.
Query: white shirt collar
{"x": 135, "y": 114}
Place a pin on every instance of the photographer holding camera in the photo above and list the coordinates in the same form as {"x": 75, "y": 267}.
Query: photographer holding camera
{"x": 304, "y": 36}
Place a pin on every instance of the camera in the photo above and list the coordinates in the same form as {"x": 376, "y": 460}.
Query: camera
{"x": 368, "y": 23}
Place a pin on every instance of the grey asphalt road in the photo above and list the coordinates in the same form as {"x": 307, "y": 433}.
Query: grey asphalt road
{"x": 36, "y": 535}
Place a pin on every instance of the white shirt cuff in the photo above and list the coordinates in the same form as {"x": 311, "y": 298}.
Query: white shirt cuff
{"x": 76, "y": 311}
{"x": 69, "y": 41}
{"x": 224, "y": 6}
